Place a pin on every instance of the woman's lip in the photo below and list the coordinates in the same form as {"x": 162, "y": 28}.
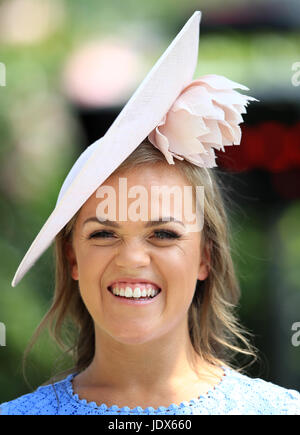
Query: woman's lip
{"x": 127, "y": 301}
{"x": 133, "y": 281}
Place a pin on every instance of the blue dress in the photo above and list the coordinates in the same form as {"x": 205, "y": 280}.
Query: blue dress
{"x": 235, "y": 394}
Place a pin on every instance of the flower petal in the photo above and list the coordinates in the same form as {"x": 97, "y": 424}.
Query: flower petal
{"x": 182, "y": 130}
{"x": 232, "y": 115}
{"x": 214, "y": 135}
{"x": 220, "y": 82}
{"x": 198, "y": 102}
{"x": 161, "y": 142}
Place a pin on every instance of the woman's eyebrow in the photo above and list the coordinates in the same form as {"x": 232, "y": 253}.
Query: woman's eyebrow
{"x": 148, "y": 224}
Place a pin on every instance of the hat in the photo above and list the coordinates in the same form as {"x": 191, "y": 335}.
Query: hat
{"x": 207, "y": 108}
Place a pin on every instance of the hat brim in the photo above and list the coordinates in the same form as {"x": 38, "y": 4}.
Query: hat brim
{"x": 143, "y": 112}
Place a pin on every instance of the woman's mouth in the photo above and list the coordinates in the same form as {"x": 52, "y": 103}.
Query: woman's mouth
{"x": 134, "y": 292}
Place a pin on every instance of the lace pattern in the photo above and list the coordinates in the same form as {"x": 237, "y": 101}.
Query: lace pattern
{"x": 235, "y": 394}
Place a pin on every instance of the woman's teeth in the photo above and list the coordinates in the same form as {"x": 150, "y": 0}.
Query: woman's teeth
{"x": 136, "y": 292}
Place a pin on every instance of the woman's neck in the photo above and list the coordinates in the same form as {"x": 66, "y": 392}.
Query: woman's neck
{"x": 162, "y": 371}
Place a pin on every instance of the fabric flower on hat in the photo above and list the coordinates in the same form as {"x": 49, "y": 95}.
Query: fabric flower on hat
{"x": 205, "y": 116}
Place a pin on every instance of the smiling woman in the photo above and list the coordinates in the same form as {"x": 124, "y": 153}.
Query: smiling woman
{"x": 153, "y": 307}
{"x": 147, "y": 307}
{"x": 136, "y": 290}
{"x": 164, "y": 255}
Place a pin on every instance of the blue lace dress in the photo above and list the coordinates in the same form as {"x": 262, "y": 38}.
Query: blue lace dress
{"x": 235, "y": 394}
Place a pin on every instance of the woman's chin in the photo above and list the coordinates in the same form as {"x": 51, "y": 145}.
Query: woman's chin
{"x": 133, "y": 337}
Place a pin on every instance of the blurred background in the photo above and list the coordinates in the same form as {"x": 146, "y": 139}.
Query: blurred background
{"x": 67, "y": 67}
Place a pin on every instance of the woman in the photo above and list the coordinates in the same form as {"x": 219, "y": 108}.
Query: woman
{"x": 161, "y": 354}
{"x": 152, "y": 299}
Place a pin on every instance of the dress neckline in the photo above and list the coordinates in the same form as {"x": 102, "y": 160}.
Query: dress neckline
{"x": 138, "y": 409}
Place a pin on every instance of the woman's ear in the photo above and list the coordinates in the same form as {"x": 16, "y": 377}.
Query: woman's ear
{"x": 205, "y": 259}
{"x": 71, "y": 257}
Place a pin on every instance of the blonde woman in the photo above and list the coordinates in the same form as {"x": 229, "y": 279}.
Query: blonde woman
{"x": 152, "y": 300}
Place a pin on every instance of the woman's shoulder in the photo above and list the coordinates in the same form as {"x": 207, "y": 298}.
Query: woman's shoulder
{"x": 255, "y": 395}
{"x": 45, "y": 400}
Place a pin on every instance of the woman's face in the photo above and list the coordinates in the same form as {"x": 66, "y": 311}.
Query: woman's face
{"x": 105, "y": 257}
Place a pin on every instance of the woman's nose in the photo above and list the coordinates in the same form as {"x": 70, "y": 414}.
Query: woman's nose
{"x": 132, "y": 255}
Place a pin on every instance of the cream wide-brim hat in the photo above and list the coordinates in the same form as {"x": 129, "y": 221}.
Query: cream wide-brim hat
{"x": 184, "y": 119}
{"x": 146, "y": 108}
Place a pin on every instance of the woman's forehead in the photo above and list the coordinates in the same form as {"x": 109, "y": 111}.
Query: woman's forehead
{"x": 150, "y": 191}
{"x": 159, "y": 173}
{"x": 146, "y": 176}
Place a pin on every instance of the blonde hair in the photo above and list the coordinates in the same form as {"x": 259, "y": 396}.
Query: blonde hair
{"x": 214, "y": 329}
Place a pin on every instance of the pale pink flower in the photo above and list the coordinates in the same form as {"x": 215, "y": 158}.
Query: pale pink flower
{"x": 205, "y": 116}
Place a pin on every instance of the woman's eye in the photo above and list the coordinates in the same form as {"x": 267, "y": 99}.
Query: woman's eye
{"x": 166, "y": 235}
{"x": 160, "y": 235}
{"x": 101, "y": 235}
